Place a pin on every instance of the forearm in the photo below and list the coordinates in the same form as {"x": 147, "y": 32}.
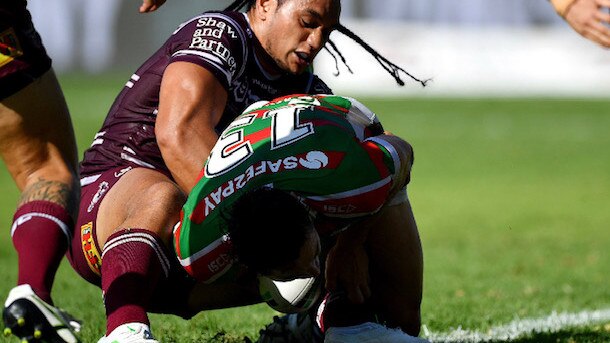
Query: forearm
{"x": 191, "y": 103}
{"x": 186, "y": 154}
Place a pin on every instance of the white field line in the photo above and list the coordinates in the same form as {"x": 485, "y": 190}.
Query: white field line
{"x": 555, "y": 322}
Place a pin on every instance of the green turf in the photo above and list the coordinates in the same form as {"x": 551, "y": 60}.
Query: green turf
{"x": 512, "y": 199}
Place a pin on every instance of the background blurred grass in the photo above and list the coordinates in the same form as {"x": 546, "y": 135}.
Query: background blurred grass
{"x": 512, "y": 198}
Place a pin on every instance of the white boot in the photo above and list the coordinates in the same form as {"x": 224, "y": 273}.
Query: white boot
{"x": 130, "y": 333}
{"x": 368, "y": 333}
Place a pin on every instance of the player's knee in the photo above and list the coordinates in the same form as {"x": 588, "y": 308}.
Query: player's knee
{"x": 164, "y": 197}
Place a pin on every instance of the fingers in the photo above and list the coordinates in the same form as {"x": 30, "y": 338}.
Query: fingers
{"x": 598, "y": 33}
{"x": 596, "y": 28}
{"x": 150, "y": 5}
{"x": 357, "y": 288}
{"x": 591, "y": 19}
{"x": 603, "y": 3}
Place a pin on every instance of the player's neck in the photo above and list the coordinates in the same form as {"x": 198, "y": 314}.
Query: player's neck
{"x": 266, "y": 62}
{"x": 263, "y": 59}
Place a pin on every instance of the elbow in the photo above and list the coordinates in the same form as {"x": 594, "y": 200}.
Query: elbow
{"x": 406, "y": 153}
{"x": 169, "y": 142}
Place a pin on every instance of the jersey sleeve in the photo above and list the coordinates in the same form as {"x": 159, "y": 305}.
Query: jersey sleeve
{"x": 389, "y": 155}
{"x": 202, "y": 249}
{"x": 215, "y": 41}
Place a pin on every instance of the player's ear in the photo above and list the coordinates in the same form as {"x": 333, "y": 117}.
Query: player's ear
{"x": 264, "y": 8}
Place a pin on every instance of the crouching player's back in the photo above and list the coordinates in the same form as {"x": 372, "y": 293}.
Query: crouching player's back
{"x": 311, "y": 146}
{"x": 331, "y": 155}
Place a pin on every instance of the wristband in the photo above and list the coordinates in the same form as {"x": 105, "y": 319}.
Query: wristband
{"x": 562, "y": 6}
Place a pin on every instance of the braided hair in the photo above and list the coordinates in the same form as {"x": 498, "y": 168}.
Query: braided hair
{"x": 392, "y": 69}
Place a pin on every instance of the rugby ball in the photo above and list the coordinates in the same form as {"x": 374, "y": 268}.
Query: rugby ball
{"x": 290, "y": 296}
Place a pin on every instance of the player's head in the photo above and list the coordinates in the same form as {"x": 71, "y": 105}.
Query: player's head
{"x": 272, "y": 232}
{"x": 291, "y": 32}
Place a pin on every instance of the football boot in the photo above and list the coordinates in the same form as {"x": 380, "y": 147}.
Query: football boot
{"x": 29, "y": 318}
{"x": 130, "y": 333}
{"x": 369, "y": 333}
{"x": 292, "y": 328}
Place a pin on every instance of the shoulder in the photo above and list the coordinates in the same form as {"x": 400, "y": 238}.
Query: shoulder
{"x": 219, "y": 41}
{"x": 218, "y": 24}
{"x": 211, "y": 29}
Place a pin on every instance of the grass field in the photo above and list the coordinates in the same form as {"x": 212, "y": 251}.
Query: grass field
{"x": 512, "y": 198}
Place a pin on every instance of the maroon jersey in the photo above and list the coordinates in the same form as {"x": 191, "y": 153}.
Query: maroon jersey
{"x": 221, "y": 42}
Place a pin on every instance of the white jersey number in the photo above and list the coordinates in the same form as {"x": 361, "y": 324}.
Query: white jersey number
{"x": 232, "y": 148}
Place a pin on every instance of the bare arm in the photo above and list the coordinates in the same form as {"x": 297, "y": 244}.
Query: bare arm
{"x": 191, "y": 102}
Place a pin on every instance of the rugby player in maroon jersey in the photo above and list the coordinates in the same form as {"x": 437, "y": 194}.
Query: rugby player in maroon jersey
{"x": 162, "y": 125}
{"x": 160, "y": 129}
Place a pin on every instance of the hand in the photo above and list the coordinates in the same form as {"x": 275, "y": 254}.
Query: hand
{"x": 587, "y": 17}
{"x": 347, "y": 269}
{"x": 150, "y": 5}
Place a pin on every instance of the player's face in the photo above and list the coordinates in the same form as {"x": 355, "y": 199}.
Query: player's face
{"x": 296, "y": 31}
{"x": 306, "y": 265}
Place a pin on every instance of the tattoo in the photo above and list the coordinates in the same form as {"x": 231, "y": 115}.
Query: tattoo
{"x": 58, "y": 192}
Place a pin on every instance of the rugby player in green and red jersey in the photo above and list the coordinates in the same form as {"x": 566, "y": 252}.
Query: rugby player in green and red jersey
{"x": 298, "y": 170}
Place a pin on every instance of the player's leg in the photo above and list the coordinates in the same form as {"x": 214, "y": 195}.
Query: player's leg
{"x": 37, "y": 145}
{"x": 396, "y": 272}
{"x": 396, "y": 268}
{"x": 134, "y": 226}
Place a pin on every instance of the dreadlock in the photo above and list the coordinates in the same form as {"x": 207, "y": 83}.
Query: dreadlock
{"x": 392, "y": 69}
{"x": 334, "y": 53}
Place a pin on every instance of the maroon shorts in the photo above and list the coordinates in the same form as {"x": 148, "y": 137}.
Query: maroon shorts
{"x": 23, "y": 58}
{"x": 85, "y": 254}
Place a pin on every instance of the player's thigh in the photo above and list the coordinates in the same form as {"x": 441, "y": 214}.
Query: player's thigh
{"x": 144, "y": 199}
{"x": 397, "y": 263}
{"x": 36, "y": 132}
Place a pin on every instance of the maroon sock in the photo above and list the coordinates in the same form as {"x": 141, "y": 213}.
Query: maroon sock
{"x": 133, "y": 262}
{"x": 41, "y": 232}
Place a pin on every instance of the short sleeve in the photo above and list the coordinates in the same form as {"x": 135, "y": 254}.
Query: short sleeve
{"x": 216, "y": 41}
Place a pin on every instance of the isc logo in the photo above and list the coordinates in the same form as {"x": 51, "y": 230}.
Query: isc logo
{"x": 219, "y": 263}
{"x": 339, "y": 209}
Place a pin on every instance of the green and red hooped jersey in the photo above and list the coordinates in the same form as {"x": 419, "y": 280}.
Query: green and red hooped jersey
{"x": 317, "y": 147}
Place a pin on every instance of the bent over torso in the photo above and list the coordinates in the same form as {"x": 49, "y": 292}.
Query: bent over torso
{"x": 312, "y": 146}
